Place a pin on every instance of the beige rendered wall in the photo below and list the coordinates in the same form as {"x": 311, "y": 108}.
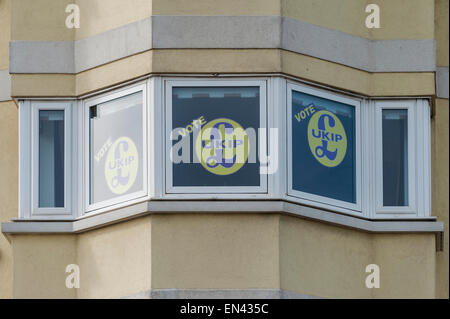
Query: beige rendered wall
{"x": 217, "y": 7}
{"x": 221, "y": 251}
{"x": 329, "y": 261}
{"x": 323, "y": 260}
{"x": 407, "y": 265}
{"x": 348, "y": 16}
{"x": 40, "y": 263}
{"x": 43, "y": 20}
{"x": 40, "y": 20}
{"x": 115, "y": 261}
{"x": 8, "y": 188}
{"x": 440, "y": 150}
{"x": 8, "y": 158}
{"x": 224, "y": 251}
{"x": 97, "y": 16}
{"x": 440, "y": 187}
{"x": 5, "y": 27}
{"x": 441, "y": 32}
{"x": 415, "y": 22}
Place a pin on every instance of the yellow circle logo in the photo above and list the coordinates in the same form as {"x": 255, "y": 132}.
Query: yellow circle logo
{"x": 327, "y": 138}
{"x": 121, "y": 165}
{"x": 222, "y": 146}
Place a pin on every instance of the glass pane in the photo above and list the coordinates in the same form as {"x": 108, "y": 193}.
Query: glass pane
{"x": 214, "y": 132}
{"x": 395, "y": 157}
{"x": 51, "y": 158}
{"x": 116, "y": 146}
{"x": 323, "y": 147}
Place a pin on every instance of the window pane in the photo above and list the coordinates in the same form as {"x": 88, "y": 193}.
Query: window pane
{"x": 323, "y": 147}
{"x": 51, "y": 158}
{"x": 214, "y": 131}
{"x": 395, "y": 157}
{"x": 116, "y": 146}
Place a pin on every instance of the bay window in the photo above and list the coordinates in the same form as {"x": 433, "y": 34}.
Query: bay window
{"x": 211, "y": 138}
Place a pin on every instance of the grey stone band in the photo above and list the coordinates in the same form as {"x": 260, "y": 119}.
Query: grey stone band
{"x": 357, "y": 52}
{"x": 223, "y": 32}
{"x": 113, "y": 45}
{"x": 442, "y": 82}
{"x": 41, "y": 57}
{"x": 5, "y": 85}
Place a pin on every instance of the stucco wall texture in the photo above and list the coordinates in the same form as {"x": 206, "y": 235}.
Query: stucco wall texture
{"x": 8, "y": 157}
{"x": 8, "y": 189}
{"x": 223, "y": 251}
{"x": 440, "y": 149}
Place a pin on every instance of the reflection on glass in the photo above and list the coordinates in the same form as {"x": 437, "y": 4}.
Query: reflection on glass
{"x": 51, "y": 158}
{"x": 323, "y": 147}
{"x": 227, "y": 156}
{"x": 116, "y": 143}
{"x": 395, "y": 157}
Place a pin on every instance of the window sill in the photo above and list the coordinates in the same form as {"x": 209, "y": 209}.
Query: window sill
{"x": 86, "y": 223}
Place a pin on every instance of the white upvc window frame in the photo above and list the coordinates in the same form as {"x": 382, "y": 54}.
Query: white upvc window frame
{"x": 275, "y": 110}
{"x": 121, "y": 200}
{"x": 419, "y": 185}
{"x": 317, "y": 200}
{"x": 29, "y": 160}
{"x": 216, "y": 191}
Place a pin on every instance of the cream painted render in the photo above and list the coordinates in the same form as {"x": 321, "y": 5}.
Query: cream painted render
{"x": 9, "y": 134}
{"x": 347, "y": 16}
{"x": 9, "y": 145}
{"x": 226, "y": 61}
{"x": 266, "y": 252}
{"x": 440, "y": 142}
{"x": 232, "y": 32}
{"x": 288, "y": 254}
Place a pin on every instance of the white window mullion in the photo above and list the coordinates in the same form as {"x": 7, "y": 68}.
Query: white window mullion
{"x": 367, "y": 158}
{"x": 276, "y": 120}
{"x": 25, "y": 141}
{"x": 423, "y": 166}
{"x": 156, "y": 137}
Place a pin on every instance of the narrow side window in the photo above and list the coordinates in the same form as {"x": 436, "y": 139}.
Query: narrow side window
{"x": 399, "y": 167}
{"x": 395, "y": 157}
{"x": 50, "y": 149}
{"x": 51, "y": 158}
